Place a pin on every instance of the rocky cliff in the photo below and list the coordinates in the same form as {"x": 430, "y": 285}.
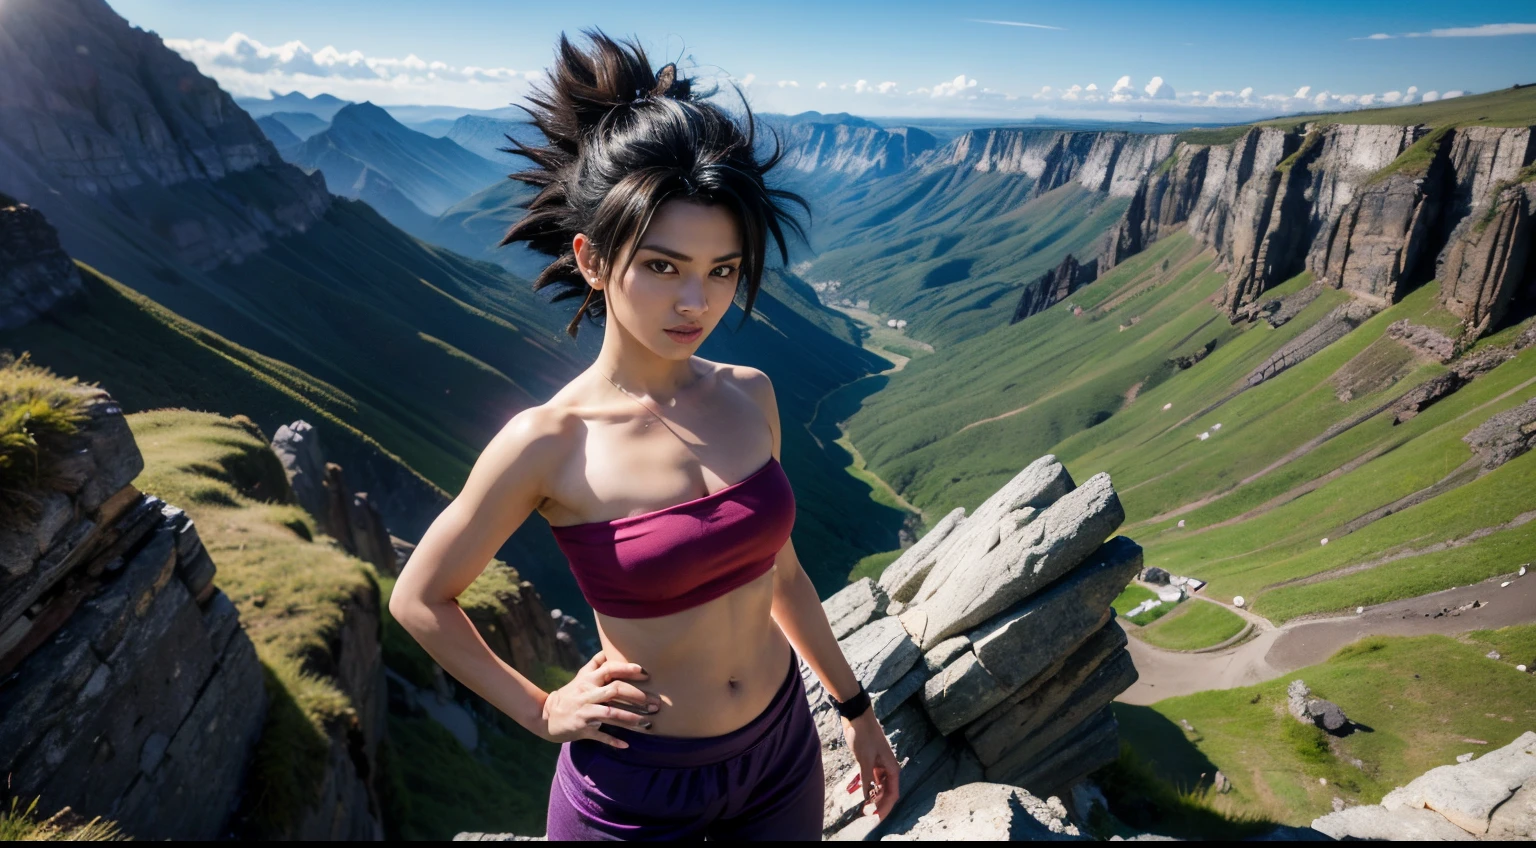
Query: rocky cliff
{"x": 131, "y": 691}
{"x": 35, "y": 272}
{"x": 99, "y": 110}
{"x": 990, "y": 647}
{"x": 1114, "y": 163}
{"x": 1364, "y": 208}
{"x": 850, "y": 153}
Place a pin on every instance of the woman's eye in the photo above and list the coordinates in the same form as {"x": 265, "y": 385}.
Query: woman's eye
{"x": 659, "y": 266}
{"x": 724, "y": 271}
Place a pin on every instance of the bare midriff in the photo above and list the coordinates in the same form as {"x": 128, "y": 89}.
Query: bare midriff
{"x": 715, "y": 666}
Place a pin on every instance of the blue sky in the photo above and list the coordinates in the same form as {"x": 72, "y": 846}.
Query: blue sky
{"x": 1170, "y": 60}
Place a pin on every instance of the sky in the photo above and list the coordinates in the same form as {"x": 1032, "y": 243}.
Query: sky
{"x": 1169, "y": 61}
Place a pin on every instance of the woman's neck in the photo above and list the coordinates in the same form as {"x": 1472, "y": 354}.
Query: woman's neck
{"x": 637, "y": 369}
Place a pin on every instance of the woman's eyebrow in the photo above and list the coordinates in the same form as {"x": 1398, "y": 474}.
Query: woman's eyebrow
{"x": 683, "y": 257}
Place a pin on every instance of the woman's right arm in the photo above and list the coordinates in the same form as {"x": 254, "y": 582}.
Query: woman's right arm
{"x": 505, "y": 485}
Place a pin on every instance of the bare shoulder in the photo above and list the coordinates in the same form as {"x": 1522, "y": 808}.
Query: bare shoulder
{"x": 752, "y": 382}
{"x": 530, "y": 448}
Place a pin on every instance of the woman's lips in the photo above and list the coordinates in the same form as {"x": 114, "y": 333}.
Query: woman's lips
{"x": 685, "y": 335}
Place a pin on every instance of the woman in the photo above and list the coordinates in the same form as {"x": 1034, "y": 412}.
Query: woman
{"x": 658, "y": 473}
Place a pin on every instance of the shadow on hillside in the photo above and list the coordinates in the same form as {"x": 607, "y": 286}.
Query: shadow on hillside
{"x": 1163, "y": 784}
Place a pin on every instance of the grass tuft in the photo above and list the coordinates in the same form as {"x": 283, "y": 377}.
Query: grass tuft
{"x": 38, "y": 414}
{"x": 1196, "y": 624}
{"x": 22, "y": 824}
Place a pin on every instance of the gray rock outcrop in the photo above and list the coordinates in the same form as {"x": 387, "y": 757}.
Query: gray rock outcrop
{"x": 834, "y": 151}
{"x": 1329, "y": 329}
{"x": 35, "y": 272}
{"x": 1054, "y": 286}
{"x": 1487, "y": 263}
{"x": 1310, "y": 709}
{"x": 1422, "y": 340}
{"x": 1505, "y": 435}
{"x": 997, "y": 655}
{"x": 1491, "y": 797}
{"x": 133, "y": 692}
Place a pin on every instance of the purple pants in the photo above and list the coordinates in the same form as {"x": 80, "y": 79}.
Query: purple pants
{"x": 761, "y": 781}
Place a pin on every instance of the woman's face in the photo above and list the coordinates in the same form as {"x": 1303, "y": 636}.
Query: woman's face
{"x": 681, "y": 280}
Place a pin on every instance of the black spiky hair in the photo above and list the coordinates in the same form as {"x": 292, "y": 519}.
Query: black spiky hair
{"x": 621, "y": 140}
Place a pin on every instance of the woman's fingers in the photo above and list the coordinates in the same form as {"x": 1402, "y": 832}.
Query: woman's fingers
{"x": 604, "y": 738}
{"x": 629, "y": 694}
{"x": 613, "y": 715}
{"x": 888, "y": 790}
{"x": 624, "y": 671}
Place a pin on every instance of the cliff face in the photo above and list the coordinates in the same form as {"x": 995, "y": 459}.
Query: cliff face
{"x": 133, "y": 692}
{"x": 1114, "y": 163}
{"x": 103, "y": 110}
{"x": 1364, "y": 208}
{"x": 852, "y": 152}
{"x": 35, "y": 272}
{"x": 989, "y": 648}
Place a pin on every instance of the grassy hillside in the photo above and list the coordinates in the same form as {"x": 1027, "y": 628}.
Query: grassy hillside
{"x": 947, "y": 250}
{"x": 1509, "y": 107}
{"x": 1307, "y": 455}
{"x": 1423, "y": 701}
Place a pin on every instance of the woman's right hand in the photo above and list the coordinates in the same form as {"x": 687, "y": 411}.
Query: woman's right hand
{"x": 577, "y": 709}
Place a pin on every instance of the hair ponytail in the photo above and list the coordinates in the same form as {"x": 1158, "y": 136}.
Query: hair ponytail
{"x": 622, "y": 139}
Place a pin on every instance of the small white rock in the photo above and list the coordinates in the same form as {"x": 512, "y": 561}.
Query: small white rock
{"x": 1522, "y": 571}
{"x": 1325, "y": 540}
{"x": 1504, "y": 584}
{"x": 1204, "y": 436}
{"x": 1237, "y": 601}
{"x": 1181, "y": 522}
{"x": 1215, "y": 426}
{"x": 1167, "y": 406}
{"x": 1520, "y": 668}
{"x": 1359, "y": 610}
{"x": 1322, "y": 781}
{"x": 1463, "y": 758}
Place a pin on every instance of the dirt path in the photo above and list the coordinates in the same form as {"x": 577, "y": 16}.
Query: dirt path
{"x": 1275, "y": 651}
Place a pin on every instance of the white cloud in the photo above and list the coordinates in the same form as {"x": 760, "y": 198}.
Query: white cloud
{"x": 1302, "y": 92}
{"x": 1122, "y": 91}
{"x": 1449, "y": 94}
{"x": 747, "y": 80}
{"x": 247, "y": 67}
{"x": 1392, "y": 97}
{"x": 788, "y": 84}
{"x": 886, "y": 87}
{"x": 1013, "y": 24}
{"x": 957, "y": 87}
{"x": 821, "y": 85}
{"x": 1159, "y": 90}
{"x": 1482, "y": 31}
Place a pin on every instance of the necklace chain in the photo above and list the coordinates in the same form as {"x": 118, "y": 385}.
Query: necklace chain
{"x": 643, "y": 405}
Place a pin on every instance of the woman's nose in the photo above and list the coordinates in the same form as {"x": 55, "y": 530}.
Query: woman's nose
{"x": 690, "y": 298}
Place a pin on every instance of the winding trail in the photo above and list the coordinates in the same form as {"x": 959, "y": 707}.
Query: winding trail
{"x": 1275, "y": 651}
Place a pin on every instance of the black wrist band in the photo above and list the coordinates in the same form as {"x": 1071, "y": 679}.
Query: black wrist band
{"x": 853, "y": 707}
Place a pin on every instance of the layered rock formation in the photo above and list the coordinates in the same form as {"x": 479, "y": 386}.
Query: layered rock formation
{"x": 1492, "y": 797}
{"x": 990, "y": 647}
{"x": 851, "y": 153}
{"x": 1365, "y": 208}
{"x": 118, "y": 112}
{"x": 35, "y": 272}
{"x": 132, "y": 691}
{"x": 1054, "y": 286}
{"x": 1114, "y": 163}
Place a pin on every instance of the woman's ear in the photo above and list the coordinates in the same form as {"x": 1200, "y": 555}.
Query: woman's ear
{"x": 587, "y": 260}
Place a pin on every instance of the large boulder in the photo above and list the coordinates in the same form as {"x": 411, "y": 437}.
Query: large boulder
{"x": 1001, "y": 564}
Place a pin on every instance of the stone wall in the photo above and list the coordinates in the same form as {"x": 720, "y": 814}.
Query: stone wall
{"x": 989, "y": 647}
{"x": 130, "y": 691}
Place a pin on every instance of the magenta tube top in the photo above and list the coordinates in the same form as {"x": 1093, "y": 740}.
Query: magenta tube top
{"x": 676, "y": 557}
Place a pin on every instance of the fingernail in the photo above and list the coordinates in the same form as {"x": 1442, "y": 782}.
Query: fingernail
{"x": 623, "y": 744}
{"x": 644, "y": 672}
{"x": 646, "y": 725}
{"x": 651, "y": 708}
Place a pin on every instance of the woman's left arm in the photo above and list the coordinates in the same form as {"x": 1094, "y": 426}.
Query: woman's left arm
{"x": 797, "y": 610}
